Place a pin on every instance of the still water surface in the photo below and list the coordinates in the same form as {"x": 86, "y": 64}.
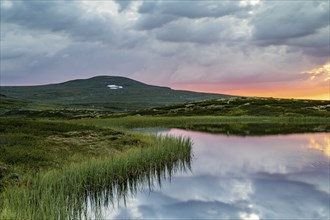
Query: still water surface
{"x": 233, "y": 177}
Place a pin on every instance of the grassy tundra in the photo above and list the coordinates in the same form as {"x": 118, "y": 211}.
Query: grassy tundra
{"x": 240, "y": 125}
{"x": 230, "y": 107}
{"x": 50, "y": 165}
{"x": 49, "y": 169}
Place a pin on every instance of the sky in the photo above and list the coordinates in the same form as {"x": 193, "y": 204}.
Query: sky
{"x": 273, "y": 48}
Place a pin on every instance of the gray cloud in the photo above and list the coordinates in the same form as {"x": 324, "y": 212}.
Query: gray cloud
{"x": 277, "y": 21}
{"x": 155, "y": 14}
{"x": 41, "y": 15}
{"x": 228, "y": 30}
{"x": 316, "y": 44}
{"x": 21, "y": 47}
{"x": 123, "y": 4}
{"x": 320, "y": 39}
{"x": 148, "y": 7}
{"x": 186, "y": 31}
{"x": 151, "y": 21}
{"x": 60, "y": 16}
{"x": 192, "y": 9}
{"x": 219, "y": 42}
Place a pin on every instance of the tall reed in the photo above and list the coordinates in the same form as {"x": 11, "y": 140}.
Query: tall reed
{"x": 63, "y": 194}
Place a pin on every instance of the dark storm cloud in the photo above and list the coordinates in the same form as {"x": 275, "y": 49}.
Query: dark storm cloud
{"x": 14, "y": 54}
{"x": 318, "y": 40}
{"x": 186, "y": 31}
{"x": 123, "y": 4}
{"x": 277, "y": 21}
{"x": 155, "y": 14}
{"x": 40, "y": 14}
{"x": 228, "y": 30}
{"x": 76, "y": 61}
{"x": 59, "y": 16}
{"x": 151, "y": 21}
{"x": 191, "y": 9}
{"x": 314, "y": 45}
{"x": 147, "y": 7}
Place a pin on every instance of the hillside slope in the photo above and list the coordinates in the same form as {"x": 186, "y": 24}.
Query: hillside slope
{"x": 104, "y": 92}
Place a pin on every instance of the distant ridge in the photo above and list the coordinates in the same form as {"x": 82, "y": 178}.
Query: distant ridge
{"x": 113, "y": 93}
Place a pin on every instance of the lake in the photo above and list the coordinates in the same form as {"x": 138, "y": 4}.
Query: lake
{"x": 236, "y": 177}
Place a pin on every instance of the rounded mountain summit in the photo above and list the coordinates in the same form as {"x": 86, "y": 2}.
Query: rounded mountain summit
{"x": 105, "y": 92}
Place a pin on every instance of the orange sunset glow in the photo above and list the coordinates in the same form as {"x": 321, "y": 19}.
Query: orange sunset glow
{"x": 322, "y": 145}
{"x": 312, "y": 84}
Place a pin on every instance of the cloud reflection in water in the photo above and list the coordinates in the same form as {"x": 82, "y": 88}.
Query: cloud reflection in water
{"x": 269, "y": 177}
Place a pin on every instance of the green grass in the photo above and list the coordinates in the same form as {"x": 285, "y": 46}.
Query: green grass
{"x": 231, "y": 107}
{"x": 63, "y": 193}
{"x": 35, "y": 144}
{"x": 294, "y": 124}
{"x": 29, "y": 147}
{"x": 60, "y": 164}
{"x": 243, "y": 106}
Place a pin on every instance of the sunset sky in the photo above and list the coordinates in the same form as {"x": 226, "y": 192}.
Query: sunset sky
{"x": 248, "y": 47}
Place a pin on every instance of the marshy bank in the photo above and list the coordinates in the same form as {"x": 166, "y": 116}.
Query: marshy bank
{"x": 56, "y": 181}
{"x": 237, "y": 125}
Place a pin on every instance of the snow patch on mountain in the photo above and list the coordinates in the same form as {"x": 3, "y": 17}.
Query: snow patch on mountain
{"x": 114, "y": 87}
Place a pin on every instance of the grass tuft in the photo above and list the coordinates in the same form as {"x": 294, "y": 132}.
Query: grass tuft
{"x": 64, "y": 193}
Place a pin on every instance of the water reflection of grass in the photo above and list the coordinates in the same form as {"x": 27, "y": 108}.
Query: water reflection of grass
{"x": 259, "y": 129}
{"x": 63, "y": 193}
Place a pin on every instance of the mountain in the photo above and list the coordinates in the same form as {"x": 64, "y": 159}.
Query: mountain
{"x": 104, "y": 93}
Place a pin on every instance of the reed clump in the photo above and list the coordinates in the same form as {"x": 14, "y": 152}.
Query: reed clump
{"x": 69, "y": 193}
